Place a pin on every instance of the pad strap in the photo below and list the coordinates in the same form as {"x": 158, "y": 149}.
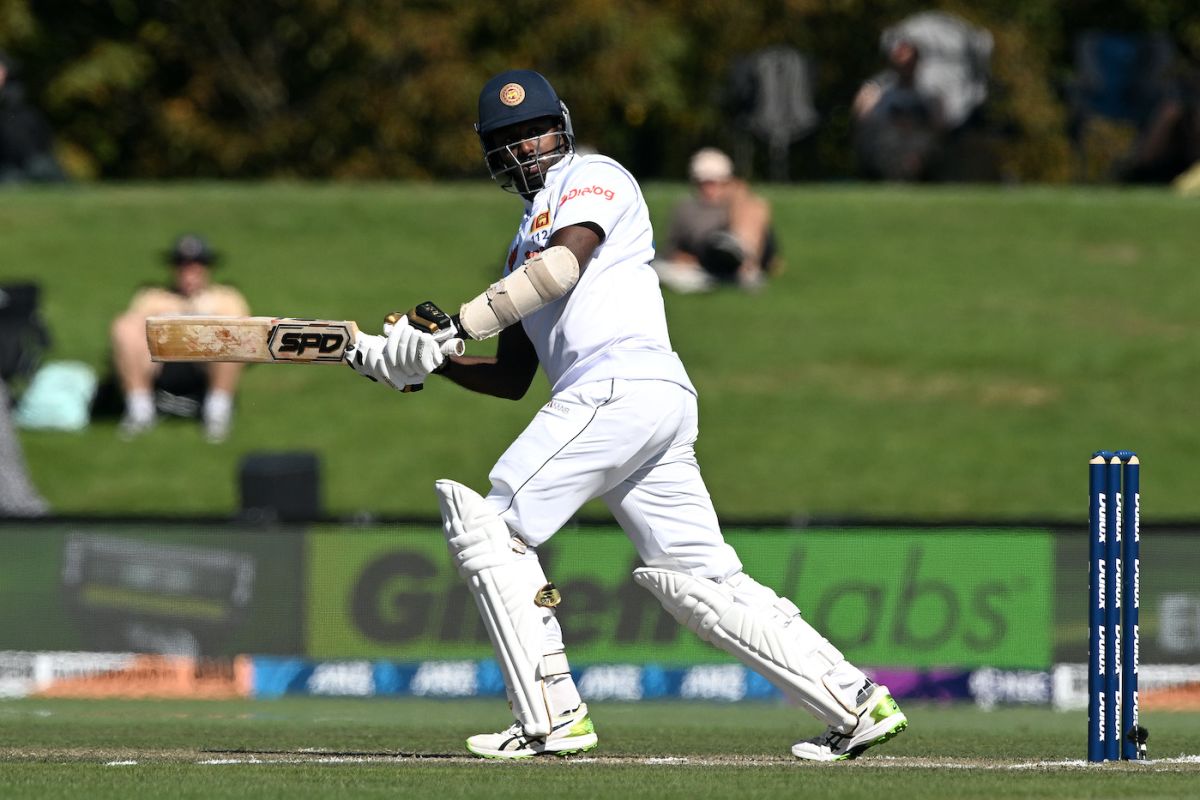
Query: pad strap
{"x": 555, "y": 664}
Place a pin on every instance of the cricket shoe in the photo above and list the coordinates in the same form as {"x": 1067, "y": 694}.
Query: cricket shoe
{"x": 879, "y": 719}
{"x": 571, "y": 732}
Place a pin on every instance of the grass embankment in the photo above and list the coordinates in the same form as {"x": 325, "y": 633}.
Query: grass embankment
{"x": 928, "y": 353}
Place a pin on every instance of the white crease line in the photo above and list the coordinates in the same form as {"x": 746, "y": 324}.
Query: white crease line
{"x": 120, "y": 763}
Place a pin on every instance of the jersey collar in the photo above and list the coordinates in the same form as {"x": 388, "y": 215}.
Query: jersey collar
{"x": 553, "y": 175}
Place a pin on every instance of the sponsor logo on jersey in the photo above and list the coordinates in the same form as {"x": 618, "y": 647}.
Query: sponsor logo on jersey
{"x": 597, "y": 191}
{"x": 557, "y": 407}
{"x": 542, "y": 220}
{"x": 512, "y": 94}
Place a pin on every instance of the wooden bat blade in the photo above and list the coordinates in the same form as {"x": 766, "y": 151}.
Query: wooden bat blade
{"x": 249, "y": 339}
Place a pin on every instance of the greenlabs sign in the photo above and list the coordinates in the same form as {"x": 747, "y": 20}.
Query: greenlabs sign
{"x": 913, "y": 598}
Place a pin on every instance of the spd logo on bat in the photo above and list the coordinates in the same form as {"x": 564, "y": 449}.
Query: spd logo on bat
{"x": 308, "y": 341}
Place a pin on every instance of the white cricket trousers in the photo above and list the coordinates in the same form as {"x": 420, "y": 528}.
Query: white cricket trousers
{"x": 631, "y": 443}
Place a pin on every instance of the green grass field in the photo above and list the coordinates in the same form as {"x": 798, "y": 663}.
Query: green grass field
{"x": 413, "y": 748}
{"x": 929, "y": 352}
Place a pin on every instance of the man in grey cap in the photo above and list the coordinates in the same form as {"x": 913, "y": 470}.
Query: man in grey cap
{"x": 181, "y": 389}
{"x": 720, "y": 234}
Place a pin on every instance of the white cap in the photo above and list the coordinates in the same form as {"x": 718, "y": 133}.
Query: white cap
{"x": 710, "y": 164}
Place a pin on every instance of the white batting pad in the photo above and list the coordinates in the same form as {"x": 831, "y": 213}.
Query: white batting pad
{"x": 763, "y": 631}
{"x": 504, "y": 582}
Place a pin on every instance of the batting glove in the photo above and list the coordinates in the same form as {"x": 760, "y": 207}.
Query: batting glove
{"x": 410, "y": 351}
{"x": 368, "y": 358}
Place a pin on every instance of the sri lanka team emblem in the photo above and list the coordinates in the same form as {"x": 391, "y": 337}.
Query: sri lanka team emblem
{"x": 542, "y": 220}
{"x": 512, "y": 94}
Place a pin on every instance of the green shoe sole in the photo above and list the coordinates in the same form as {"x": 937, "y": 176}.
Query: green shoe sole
{"x": 857, "y": 750}
{"x": 576, "y": 751}
{"x": 561, "y": 753}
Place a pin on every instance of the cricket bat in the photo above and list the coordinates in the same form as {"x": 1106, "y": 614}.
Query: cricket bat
{"x": 277, "y": 340}
{"x": 249, "y": 339}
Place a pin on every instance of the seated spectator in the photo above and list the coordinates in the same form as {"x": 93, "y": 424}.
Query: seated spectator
{"x": 182, "y": 389}
{"x": 1169, "y": 144}
{"x": 721, "y": 234}
{"x": 908, "y": 116}
{"x": 955, "y": 62}
{"x": 898, "y": 129}
{"x": 26, "y": 141}
{"x": 1135, "y": 86}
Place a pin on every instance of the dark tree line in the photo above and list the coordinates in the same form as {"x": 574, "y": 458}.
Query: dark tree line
{"x": 345, "y": 89}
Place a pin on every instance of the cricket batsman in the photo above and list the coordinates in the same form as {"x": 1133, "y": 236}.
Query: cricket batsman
{"x": 578, "y": 297}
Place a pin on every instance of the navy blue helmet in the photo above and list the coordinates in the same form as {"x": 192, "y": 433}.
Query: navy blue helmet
{"x": 511, "y": 98}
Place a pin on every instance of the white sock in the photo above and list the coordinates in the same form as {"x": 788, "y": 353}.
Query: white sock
{"x": 562, "y": 694}
{"x": 139, "y": 405}
{"x": 218, "y": 406}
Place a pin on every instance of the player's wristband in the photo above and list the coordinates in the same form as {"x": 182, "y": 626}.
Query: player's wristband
{"x": 461, "y": 330}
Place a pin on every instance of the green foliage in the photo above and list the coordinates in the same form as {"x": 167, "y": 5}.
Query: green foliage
{"x": 327, "y": 89}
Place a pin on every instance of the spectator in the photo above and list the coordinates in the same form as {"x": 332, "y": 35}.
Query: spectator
{"x": 1138, "y": 84}
{"x": 1169, "y": 144}
{"x": 911, "y": 117}
{"x": 182, "y": 389}
{"x": 955, "y": 63}
{"x": 721, "y": 234}
{"x": 898, "y": 129}
{"x": 18, "y": 497}
{"x": 26, "y": 141}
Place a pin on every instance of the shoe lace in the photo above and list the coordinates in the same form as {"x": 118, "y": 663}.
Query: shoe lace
{"x": 517, "y": 738}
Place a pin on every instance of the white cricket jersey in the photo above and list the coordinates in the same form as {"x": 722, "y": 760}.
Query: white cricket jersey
{"x": 612, "y": 324}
